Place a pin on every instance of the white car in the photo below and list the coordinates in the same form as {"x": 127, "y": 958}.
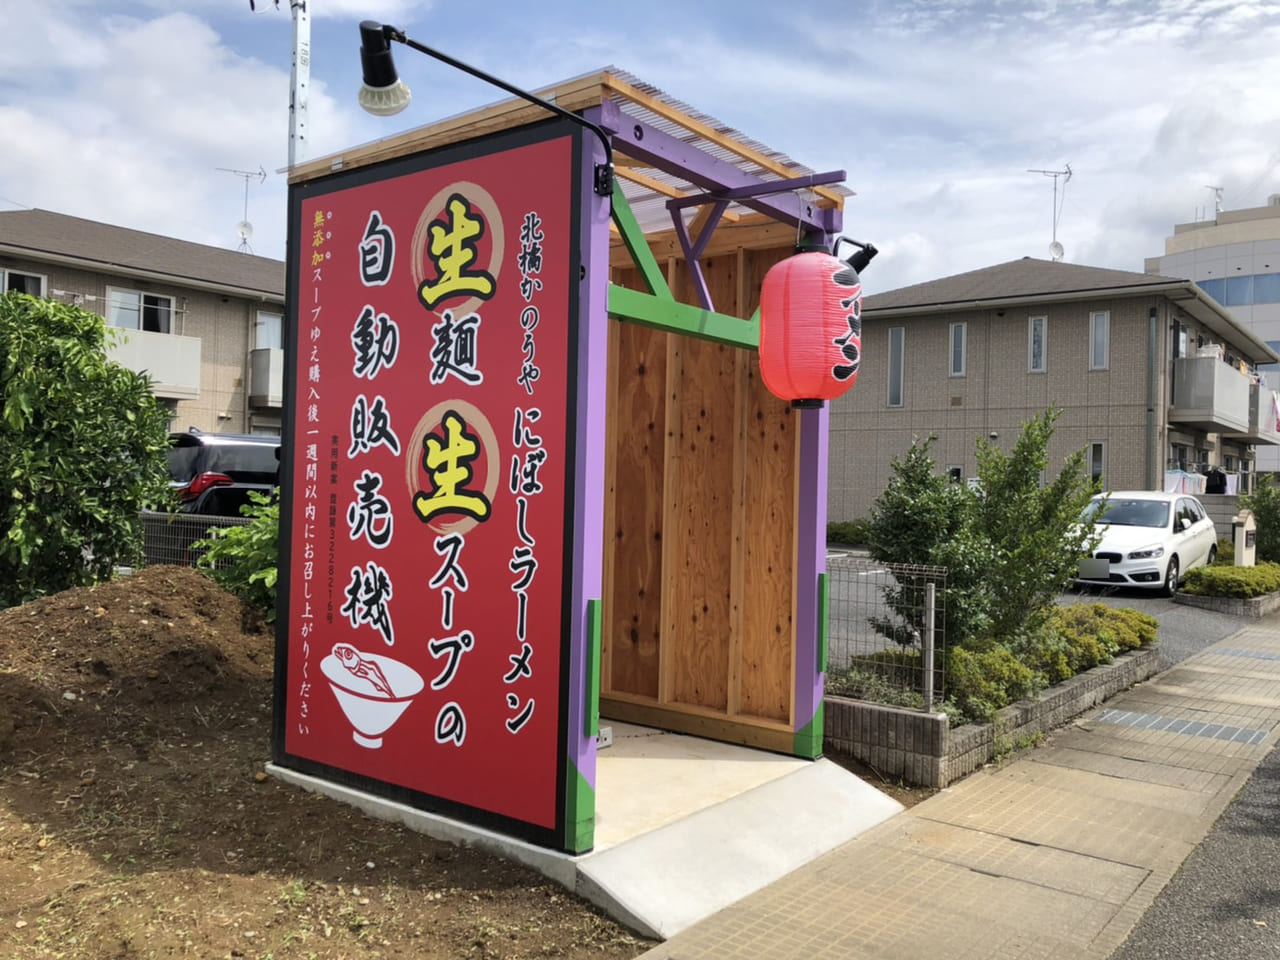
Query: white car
{"x": 1148, "y": 539}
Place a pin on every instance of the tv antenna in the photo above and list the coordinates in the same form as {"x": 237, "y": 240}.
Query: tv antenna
{"x": 1055, "y": 248}
{"x": 244, "y": 229}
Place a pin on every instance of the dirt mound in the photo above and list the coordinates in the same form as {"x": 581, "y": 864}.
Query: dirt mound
{"x": 135, "y": 819}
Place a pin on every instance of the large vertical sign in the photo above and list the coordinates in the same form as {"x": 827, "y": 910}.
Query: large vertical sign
{"x": 423, "y": 641}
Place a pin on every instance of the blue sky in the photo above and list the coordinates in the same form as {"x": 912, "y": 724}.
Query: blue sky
{"x": 124, "y": 111}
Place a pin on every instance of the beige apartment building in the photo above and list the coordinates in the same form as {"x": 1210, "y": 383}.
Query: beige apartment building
{"x": 203, "y": 322}
{"x": 1157, "y": 381}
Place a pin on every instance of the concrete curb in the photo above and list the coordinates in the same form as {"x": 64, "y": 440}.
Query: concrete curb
{"x": 921, "y": 748}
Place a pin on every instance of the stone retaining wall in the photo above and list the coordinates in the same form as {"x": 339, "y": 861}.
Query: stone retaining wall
{"x": 922, "y": 749}
{"x": 1238, "y": 607}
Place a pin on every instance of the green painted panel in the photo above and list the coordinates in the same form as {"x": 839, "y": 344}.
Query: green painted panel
{"x": 822, "y": 623}
{"x": 650, "y": 311}
{"x": 592, "y": 713}
{"x": 579, "y": 812}
{"x": 808, "y": 739}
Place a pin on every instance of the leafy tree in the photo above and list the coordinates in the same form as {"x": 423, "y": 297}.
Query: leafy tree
{"x": 922, "y": 518}
{"x": 1265, "y": 504}
{"x": 244, "y": 558}
{"x": 1011, "y": 546}
{"x": 1035, "y": 530}
{"x": 81, "y": 451}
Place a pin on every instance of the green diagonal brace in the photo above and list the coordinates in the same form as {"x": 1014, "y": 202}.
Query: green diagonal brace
{"x": 638, "y": 246}
{"x": 651, "y": 311}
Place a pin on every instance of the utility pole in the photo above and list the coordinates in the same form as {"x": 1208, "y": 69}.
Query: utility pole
{"x": 299, "y": 76}
{"x": 299, "y": 80}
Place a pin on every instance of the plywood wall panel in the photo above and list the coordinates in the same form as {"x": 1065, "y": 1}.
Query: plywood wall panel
{"x": 637, "y": 430}
{"x": 767, "y": 630}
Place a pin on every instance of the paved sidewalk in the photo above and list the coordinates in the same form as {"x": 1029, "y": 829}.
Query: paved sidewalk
{"x": 1056, "y": 854}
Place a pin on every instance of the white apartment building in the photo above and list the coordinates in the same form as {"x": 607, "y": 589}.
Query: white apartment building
{"x": 1235, "y": 258}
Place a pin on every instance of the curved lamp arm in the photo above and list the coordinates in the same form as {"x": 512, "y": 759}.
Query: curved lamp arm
{"x": 385, "y": 94}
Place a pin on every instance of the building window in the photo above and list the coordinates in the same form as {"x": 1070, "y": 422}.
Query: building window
{"x": 1216, "y": 288}
{"x": 1037, "y": 341}
{"x": 1178, "y": 455}
{"x": 1239, "y": 291}
{"x": 1266, "y": 288}
{"x": 897, "y": 345}
{"x": 957, "y": 349}
{"x": 17, "y": 282}
{"x": 955, "y": 474}
{"x": 135, "y": 310}
{"x": 267, "y": 331}
{"x": 1098, "y": 461}
{"x": 1099, "y": 339}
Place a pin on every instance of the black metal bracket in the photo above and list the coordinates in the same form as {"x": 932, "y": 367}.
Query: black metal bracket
{"x": 603, "y": 184}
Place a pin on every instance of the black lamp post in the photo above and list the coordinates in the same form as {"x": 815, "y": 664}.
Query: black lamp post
{"x": 383, "y": 93}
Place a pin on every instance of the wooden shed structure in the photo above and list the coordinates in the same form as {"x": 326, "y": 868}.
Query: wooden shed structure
{"x": 695, "y": 503}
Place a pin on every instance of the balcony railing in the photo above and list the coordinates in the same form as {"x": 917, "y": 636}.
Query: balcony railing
{"x": 266, "y": 378}
{"x": 172, "y": 362}
{"x": 1263, "y": 417}
{"x": 1209, "y": 395}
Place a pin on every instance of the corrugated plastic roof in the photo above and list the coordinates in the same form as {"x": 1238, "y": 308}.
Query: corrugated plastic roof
{"x": 648, "y": 205}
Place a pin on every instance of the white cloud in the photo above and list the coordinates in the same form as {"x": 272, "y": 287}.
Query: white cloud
{"x": 936, "y": 110}
{"x": 135, "y": 132}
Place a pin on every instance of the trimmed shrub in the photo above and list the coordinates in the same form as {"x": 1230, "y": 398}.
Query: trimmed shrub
{"x": 1226, "y": 552}
{"x": 1232, "y": 581}
{"x": 980, "y": 682}
{"x": 851, "y": 532}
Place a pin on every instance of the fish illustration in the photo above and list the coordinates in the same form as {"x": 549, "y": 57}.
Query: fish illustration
{"x": 358, "y": 666}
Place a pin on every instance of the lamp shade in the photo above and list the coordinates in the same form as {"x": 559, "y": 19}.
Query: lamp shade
{"x": 810, "y": 328}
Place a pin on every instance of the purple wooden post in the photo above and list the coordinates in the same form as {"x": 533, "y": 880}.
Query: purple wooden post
{"x": 811, "y": 560}
{"x": 588, "y": 520}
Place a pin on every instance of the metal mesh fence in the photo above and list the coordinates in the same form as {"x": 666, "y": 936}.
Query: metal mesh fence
{"x": 879, "y": 643}
{"x": 170, "y": 537}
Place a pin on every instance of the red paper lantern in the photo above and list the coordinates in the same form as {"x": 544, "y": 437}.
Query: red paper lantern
{"x": 810, "y": 328}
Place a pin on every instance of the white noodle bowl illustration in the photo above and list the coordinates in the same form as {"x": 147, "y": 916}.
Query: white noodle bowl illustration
{"x": 372, "y": 690}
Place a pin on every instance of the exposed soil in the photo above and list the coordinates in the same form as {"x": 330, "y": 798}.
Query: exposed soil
{"x": 136, "y": 819}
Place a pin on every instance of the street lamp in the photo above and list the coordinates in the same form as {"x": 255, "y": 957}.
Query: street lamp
{"x": 384, "y": 94}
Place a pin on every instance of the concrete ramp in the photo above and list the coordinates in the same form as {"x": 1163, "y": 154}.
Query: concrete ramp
{"x": 669, "y": 878}
{"x": 684, "y": 827}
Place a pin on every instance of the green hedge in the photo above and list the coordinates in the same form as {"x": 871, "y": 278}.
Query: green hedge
{"x": 852, "y": 532}
{"x": 1074, "y": 639}
{"x": 1230, "y": 581}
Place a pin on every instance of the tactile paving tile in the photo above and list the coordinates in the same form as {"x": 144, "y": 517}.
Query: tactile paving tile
{"x": 1192, "y": 728}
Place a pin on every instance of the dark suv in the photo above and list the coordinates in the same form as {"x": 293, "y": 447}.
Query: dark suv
{"x": 212, "y": 473}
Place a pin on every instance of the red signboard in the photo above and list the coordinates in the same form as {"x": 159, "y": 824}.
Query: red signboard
{"x": 429, "y": 458}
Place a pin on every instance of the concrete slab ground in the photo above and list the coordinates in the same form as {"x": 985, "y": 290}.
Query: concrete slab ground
{"x": 1055, "y": 854}
{"x": 684, "y": 826}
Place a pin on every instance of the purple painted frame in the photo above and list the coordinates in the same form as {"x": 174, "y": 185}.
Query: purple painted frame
{"x": 722, "y": 179}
